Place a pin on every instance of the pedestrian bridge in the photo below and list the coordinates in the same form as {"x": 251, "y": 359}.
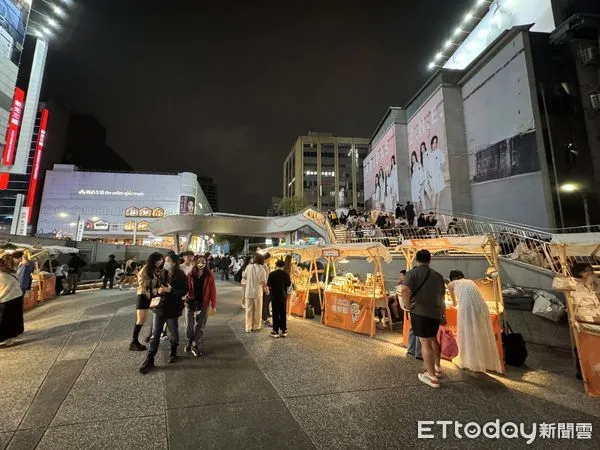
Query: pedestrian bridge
{"x": 242, "y": 225}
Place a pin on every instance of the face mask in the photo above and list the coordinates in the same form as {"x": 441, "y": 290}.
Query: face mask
{"x": 201, "y": 265}
{"x": 168, "y": 266}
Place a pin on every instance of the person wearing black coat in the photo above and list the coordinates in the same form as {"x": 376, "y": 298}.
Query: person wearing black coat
{"x": 174, "y": 286}
{"x": 110, "y": 270}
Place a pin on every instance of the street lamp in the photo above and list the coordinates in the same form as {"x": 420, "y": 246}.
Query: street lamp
{"x": 570, "y": 188}
{"x": 63, "y": 215}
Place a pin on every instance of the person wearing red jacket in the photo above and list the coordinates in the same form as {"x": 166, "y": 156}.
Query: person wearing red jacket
{"x": 201, "y": 301}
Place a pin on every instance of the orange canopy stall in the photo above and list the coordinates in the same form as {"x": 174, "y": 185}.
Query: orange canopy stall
{"x": 583, "y": 304}
{"x": 490, "y": 285}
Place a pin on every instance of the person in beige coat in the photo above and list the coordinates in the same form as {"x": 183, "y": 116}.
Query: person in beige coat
{"x": 254, "y": 281}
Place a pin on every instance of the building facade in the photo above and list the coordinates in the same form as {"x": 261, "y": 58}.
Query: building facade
{"x": 326, "y": 170}
{"x": 114, "y": 206}
{"x": 211, "y": 190}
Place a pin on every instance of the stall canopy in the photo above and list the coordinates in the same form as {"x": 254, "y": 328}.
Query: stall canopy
{"x": 576, "y": 244}
{"x": 467, "y": 244}
{"x": 306, "y": 253}
{"x": 370, "y": 250}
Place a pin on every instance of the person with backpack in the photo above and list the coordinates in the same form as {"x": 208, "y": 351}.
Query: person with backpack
{"x": 200, "y": 302}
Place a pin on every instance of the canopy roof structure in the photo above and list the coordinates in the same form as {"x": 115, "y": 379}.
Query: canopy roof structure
{"x": 306, "y": 253}
{"x": 241, "y": 225}
{"x": 476, "y": 245}
{"x": 576, "y": 244}
{"x": 369, "y": 250}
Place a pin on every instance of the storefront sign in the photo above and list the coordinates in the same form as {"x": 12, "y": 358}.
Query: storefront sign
{"x": 22, "y": 223}
{"x": 80, "y": 227}
{"x": 12, "y": 132}
{"x": 331, "y": 253}
{"x": 37, "y": 159}
{"x": 350, "y": 312}
{"x": 110, "y": 193}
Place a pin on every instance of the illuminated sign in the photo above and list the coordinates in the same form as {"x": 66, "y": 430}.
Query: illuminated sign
{"x": 110, "y": 193}
{"x": 37, "y": 159}
{"x": 158, "y": 212}
{"x": 14, "y": 123}
{"x": 144, "y": 212}
{"x": 132, "y": 212}
{"x": 143, "y": 226}
{"x": 129, "y": 226}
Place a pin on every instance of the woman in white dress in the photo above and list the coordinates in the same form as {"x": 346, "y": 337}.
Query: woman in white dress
{"x": 377, "y": 195}
{"x": 417, "y": 179}
{"x": 392, "y": 183}
{"x": 477, "y": 350}
{"x": 427, "y": 197}
{"x": 435, "y": 169}
{"x": 254, "y": 281}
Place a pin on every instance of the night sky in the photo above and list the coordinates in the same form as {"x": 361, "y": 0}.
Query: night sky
{"x": 224, "y": 90}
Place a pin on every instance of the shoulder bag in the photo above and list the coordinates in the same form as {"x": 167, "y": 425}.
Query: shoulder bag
{"x": 416, "y": 291}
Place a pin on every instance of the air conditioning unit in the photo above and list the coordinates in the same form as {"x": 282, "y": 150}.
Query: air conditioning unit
{"x": 595, "y": 101}
{"x": 588, "y": 54}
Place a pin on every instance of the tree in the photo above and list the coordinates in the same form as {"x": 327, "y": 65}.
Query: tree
{"x": 292, "y": 205}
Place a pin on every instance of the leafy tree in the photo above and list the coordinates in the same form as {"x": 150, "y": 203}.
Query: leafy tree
{"x": 292, "y": 205}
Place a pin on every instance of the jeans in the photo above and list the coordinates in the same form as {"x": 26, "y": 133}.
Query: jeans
{"x": 414, "y": 345}
{"x": 157, "y": 327}
{"x": 279, "y": 315}
{"x": 108, "y": 279}
{"x": 72, "y": 281}
{"x": 265, "y": 307}
{"x": 195, "y": 323}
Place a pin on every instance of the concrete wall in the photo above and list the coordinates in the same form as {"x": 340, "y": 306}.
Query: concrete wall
{"x": 515, "y": 199}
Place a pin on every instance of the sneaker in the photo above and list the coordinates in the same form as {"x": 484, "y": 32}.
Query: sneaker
{"x": 274, "y": 334}
{"x": 433, "y": 382}
{"x": 267, "y": 324}
{"x": 187, "y": 348}
{"x": 164, "y": 337}
{"x": 147, "y": 366}
{"x": 196, "y": 351}
{"x": 284, "y": 334}
{"x": 147, "y": 338}
{"x": 172, "y": 359}
{"x": 137, "y": 347}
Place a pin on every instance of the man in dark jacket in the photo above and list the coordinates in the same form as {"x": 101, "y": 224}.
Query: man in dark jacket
{"x": 410, "y": 213}
{"x": 110, "y": 270}
{"x": 75, "y": 265}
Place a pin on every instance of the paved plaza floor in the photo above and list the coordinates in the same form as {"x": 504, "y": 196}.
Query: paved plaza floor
{"x": 72, "y": 384}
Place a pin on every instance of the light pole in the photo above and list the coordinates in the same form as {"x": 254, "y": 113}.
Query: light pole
{"x": 572, "y": 188}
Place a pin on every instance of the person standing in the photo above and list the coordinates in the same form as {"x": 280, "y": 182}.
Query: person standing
{"x": 245, "y": 264}
{"x": 188, "y": 262}
{"x": 255, "y": 285}
{"x": 110, "y": 270}
{"x": 477, "y": 349}
{"x": 224, "y": 264}
{"x": 279, "y": 283}
{"x": 410, "y": 213}
{"x": 201, "y": 298}
{"x": 60, "y": 272}
{"x": 148, "y": 284}
{"x": 267, "y": 298}
{"x": 11, "y": 302}
{"x": 24, "y": 270}
{"x": 75, "y": 267}
{"x": 173, "y": 287}
{"x": 423, "y": 293}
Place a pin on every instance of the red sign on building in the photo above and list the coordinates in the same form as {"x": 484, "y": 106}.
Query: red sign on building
{"x": 37, "y": 159}
{"x": 16, "y": 113}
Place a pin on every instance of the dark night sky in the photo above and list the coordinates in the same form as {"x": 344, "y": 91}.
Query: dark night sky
{"x": 224, "y": 90}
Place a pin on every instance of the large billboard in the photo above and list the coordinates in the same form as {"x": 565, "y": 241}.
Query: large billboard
{"x": 381, "y": 174}
{"x": 428, "y": 167}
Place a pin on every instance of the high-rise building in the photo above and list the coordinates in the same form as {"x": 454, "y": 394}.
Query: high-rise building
{"x": 326, "y": 170}
{"x": 211, "y": 191}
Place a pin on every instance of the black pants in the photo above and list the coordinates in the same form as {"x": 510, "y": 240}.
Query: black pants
{"x": 266, "y": 303}
{"x": 59, "y": 285}
{"x": 109, "y": 279}
{"x": 279, "y": 315}
{"x": 225, "y": 275}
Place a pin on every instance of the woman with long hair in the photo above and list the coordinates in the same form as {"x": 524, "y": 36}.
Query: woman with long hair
{"x": 202, "y": 297}
{"x": 173, "y": 286}
{"x": 436, "y": 161}
{"x": 477, "y": 349}
{"x": 426, "y": 198}
{"x": 246, "y": 263}
{"x": 148, "y": 284}
{"x": 417, "y": 180}
{"x": 255, "y": 286}
{"x": 11, "y": 302}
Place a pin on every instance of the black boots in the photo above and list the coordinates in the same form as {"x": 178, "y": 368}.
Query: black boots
{"x": 148, "y": 365}
{"x": 135, "y": 343}
{"x": 173, "y": 354}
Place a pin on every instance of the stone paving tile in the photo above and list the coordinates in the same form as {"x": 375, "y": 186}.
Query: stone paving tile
{"x": 4, "y": 439}
{"x": 52, "y": 393}
{"x": 253, "y": 425}
{"x": 26, "y": 439}
{"x": 388, "y": 419}
{"x": 137, "y": 433}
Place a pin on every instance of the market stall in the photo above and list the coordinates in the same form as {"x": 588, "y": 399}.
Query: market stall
{"x": 349, "y": 303}
{"x": 489, "y": 285}
{"x": 583, "y": 303}
{"x": 305, "y": 281}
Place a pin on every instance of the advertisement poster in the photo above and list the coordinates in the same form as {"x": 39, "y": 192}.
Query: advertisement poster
{"x": 428, "y": 167}
{"x": 187, "y": 205}
{"x": 349, "y": 312}
{"x": 381, "y": 174}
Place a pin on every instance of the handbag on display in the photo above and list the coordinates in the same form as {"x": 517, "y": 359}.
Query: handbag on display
{"x": 448, "y": 344}
{"x": 515, "y": 349}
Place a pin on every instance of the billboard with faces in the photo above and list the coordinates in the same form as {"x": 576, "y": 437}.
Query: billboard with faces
{"x": 428, "y": 156}
{"x": 381, "y": 174}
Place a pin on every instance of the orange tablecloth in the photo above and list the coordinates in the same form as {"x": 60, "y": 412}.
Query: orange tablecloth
{"x": 589, "y": 358}
{"x": 33, "y": 297}
{"x": 452, "y": 324}
{"x": 349, "y": 312}
{"x": 298, "y": 304}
